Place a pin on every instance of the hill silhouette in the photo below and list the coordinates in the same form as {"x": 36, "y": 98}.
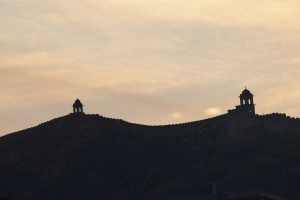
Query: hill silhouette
{"x": 82, "y": 156}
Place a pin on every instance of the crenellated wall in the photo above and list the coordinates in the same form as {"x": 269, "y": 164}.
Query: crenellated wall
{"x": 236, "y": 123}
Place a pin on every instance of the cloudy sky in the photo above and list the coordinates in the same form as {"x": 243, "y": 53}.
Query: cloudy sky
{"x": 146, "y": 61}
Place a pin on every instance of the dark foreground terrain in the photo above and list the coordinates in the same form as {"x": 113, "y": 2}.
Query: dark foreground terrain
{"x": 91, "y": 157}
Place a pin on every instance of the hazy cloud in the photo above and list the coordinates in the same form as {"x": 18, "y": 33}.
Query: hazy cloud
{"x": 154, "y": 62}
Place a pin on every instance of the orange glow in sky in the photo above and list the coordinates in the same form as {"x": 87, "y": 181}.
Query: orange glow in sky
{"x": 146, "y": 61}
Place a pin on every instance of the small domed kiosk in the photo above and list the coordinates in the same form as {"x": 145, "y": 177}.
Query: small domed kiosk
{"x": 246, "y": 102}
{"x": 247, "y": 106}
{"x": 246, "y": 97}
{"x": 77, "y": 107}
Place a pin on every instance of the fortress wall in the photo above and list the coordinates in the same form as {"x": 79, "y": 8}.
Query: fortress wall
{"x": 235, "y": 123}
{"x": 212, "y": 120}
{"x": 192, "y": 123}
{"x": 279, "y": 120}
{"x": 97, "y": 117}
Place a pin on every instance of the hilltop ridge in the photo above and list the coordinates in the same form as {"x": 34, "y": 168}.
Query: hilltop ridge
{"x": 80, "y": 155}
{"x": 83, "y": 156}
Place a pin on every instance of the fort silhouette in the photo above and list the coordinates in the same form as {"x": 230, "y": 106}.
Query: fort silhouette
{"x": 242, "y": 116}
{"x": 88, "y": 156}
{"x": 246, "y": 107}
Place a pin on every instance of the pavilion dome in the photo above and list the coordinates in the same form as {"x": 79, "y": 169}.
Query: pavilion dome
{"x": 77, "y": 103}
{"x": 246, "y": 93}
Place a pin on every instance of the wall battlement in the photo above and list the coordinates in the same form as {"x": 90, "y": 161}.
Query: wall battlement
{"x": 235, "y": 123}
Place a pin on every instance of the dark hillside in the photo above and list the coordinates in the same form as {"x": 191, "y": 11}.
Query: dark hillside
{"x": 91, "y": 157}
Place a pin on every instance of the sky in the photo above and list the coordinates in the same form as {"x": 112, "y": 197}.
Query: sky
{"x": 146, "y": 61}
